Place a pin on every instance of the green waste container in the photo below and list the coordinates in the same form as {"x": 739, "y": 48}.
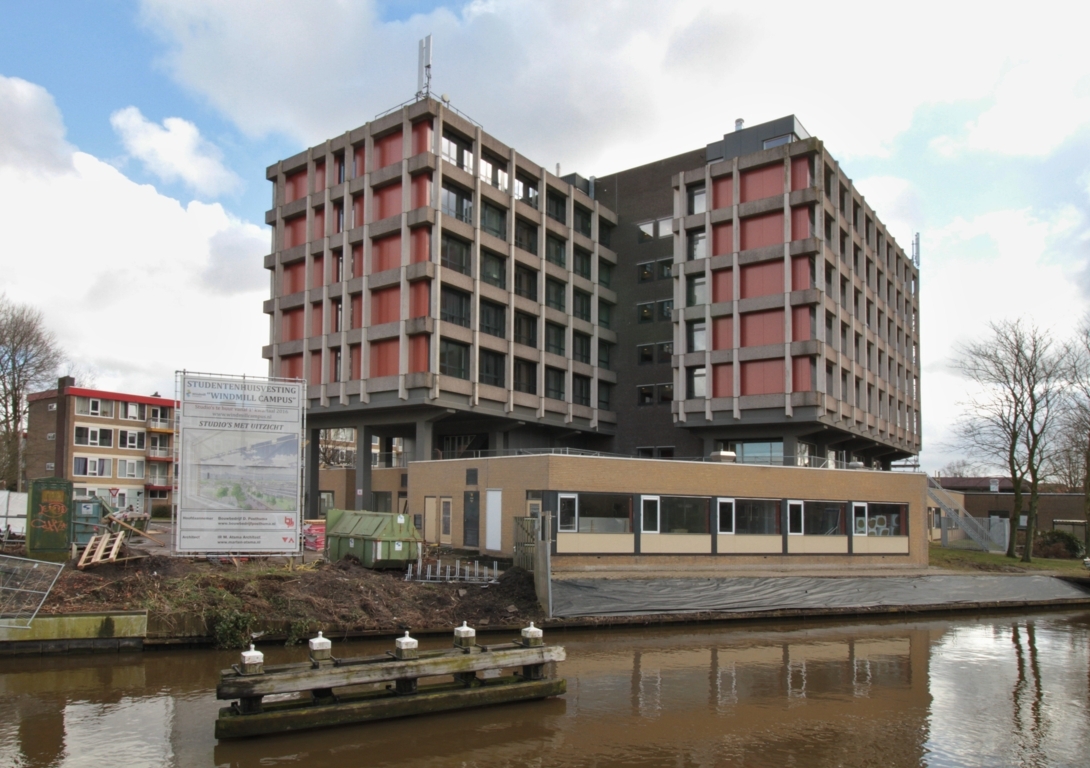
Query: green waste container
{"x": 377, "y": 539}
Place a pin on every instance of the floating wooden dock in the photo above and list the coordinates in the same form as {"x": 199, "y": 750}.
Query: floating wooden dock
{"x": 328, "y": 691}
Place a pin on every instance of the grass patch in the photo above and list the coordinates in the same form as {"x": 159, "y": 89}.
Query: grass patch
{"x": 971, "y": 560}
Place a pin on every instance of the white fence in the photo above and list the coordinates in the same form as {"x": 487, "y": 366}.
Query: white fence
{"x": 12, "y": 514}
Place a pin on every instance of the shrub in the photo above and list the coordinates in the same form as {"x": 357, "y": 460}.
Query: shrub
{"x": 160, "y": 510}
{"x": 1057, "y": 544}
{"x": 231, "y": 628}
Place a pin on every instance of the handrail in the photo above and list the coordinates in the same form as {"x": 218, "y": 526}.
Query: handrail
{"x": 972, "y": 526}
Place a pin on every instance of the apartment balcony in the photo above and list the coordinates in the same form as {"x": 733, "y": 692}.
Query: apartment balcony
{"x": 161, "y": 425}
{"x": 160, "y": 454}
{"x": 156, "y": 483}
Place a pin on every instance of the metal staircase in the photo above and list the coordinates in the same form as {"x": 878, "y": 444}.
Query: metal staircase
{"x": 983, "y": 536}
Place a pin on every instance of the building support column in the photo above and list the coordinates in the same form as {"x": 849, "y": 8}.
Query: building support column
{"x": 425, "y": 438}
{"x": 311, "y": 500}
{"x": 363, "y": 467}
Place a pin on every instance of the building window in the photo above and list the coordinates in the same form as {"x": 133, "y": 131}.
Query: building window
{"x": 696, "y": 290}
{"x": 554, "y": 250}
{"x": 130, "y": 468}
{"x": 493, "y": 319}
{"x": 555, "y": 206}
{"x": 554, "y": 338}
{"x": 605, "y": 314}
{"x": 526, "y": 329}
{"x": 696, "y": 334}
{"x": 453, "y": 359}
{"x": 85, "y": 467}
{"x": 757, "y": 516}
{"x": 665, "y": 393}
{"x": 456, "y": 202}
{"x": 525, "y": 376}
{"x": 554, "y": 383}
{"x": 605, "y": 395}
{"x": 526, "y": 190}
{"x": 605, "y": 273}
{"x": 581, "y": 223}
{"x": 50, "y": 435}
{"x": 130, "y": 439}
{"x": 645, "y": 394}
{"x": 580, "y": 390}
{"x": 645, "y": 313}
{"x": 493, "y": 269}
{"x": 758, "y": 452}
{"x": 104, "y": 438}
{"x": 645, "y": 354}
{"x": 645, "y": 453}
{"x": 697, "y": 244}
{"x": 526, "y": 236}
{"x": 51, "y": 407}
{"x": 696, "y": 381}
{"x": 580, "y": 305}
{"x": 526, "y": 282}
{"x": 666, "y": 269}
{"x": 458, "y": 151}
{"x": 494, "y": 221}
{"x": 490, "y": 367}
{"x": 454, "y": 306}
{"x": 666, "y": 227}
{"x": 93, "y": 406}
{"x": 697, "y": 199}
{"x": 454, "y": 254}
{"x": 645, "y": 272}
{"x": 581, "y": 263}
{"x": 494, "y": 172}
{"x": 605, "y": 355}
{"x": 580, "y": 348}
{"x": 666, "y": 310}
{"x": 665, "y": 351}
{"x": 554, "y": 293}
{"x": 647, "y": 232}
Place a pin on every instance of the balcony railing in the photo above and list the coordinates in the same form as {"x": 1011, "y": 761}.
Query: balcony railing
{"x": 161, "y": 453}
{"x": 160, "y": 423}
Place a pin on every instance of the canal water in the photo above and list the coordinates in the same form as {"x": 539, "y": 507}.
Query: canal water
{"x": 973, "y": 690}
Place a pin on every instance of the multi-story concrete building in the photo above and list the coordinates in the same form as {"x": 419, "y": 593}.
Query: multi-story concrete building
{"x": 432, "y": 284}
{"x": 101, "y": 441}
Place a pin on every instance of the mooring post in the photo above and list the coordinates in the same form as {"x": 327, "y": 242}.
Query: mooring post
{"x": 406, "y": 648}
{"x": 465, "y": 637}
{"x": 532, "y": 637}
{"x": 253, "y": 663}
{"x": 321, "y": 654}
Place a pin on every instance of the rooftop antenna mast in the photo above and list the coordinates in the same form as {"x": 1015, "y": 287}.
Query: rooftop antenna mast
{"x": 423, "y": 72}
{"x": 916, "y": 250}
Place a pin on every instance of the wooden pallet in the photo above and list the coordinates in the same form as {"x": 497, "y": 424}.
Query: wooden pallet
{"x": 102, "y": 548}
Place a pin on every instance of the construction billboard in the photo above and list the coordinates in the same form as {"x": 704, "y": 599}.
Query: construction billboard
{"x": 239, "y": 465}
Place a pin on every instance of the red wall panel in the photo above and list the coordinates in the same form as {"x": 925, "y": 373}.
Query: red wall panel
{"x": 761, "y": 279}
{"x": 291, "y": 366}
{"x": 387, "y": 150}
{"x": 722, "y": 332}
{"x": 316, "y": 319}
{"x": 384, "y": 357}
{"x": 800, "y": 375}
{"x": 295, "y": 231}
{"x": 762, "y": 377}
{"x": 357, "y": 260}
{"x": 319, "y": 224}
{"x": 334, "y": 373}
{"x": 800, "y": 172}
{"x": 295, "y": 277}
{"x": 723, "y": 192}
{"x": 800, "y": 273}
{"x": 315, "y": 374}
{"x": 295, "y": 186}
{"x": 386, "y": 201}
{"x": 319, "y": 176}
{"x": 385, "y": 253}
{"x": 722, "y": 238}
{"x": 355, "y": 362}
{"x": 800, "y": 324}
{"x": 421, "y": 192}
{"x": 760, "y": 328}
{"x": 360, "y": 159}
{"x": 420, "y": 245}
{"x": 385, "y": 305}
{"x": 357, "y": 210}
{"x": 421, "y": 136}
{"x": 317, "y": 272}
{"x": 419, "y": 296}
{"x": 357, "y": 310}
{"x": 722, "y": 285}
{"x": 418, "y": 353}
{"x": 763, "y": 182}
{"x": 723, "y": 380}
{"x": 292, "y": 325}
{"x": 800, "y": 222}
{"x": 761, "y": 231}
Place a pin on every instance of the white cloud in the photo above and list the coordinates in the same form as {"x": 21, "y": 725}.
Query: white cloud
{"x": 123, "y": 274}
{"x": 31, "y": 129}
{"x": 174, "y": 151}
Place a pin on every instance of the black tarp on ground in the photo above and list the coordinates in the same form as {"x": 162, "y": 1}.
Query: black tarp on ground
{"x": 631, "y": 597}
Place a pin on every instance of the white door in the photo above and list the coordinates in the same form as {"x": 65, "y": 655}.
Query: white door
{"x": 649, "y": 506}
{"x": 430, "y": 533}
{"x": 794, "y": 518}
{"x": 493, "y": 520}
{"x": 859, "y": 519}
{"x": 445, "y": 505}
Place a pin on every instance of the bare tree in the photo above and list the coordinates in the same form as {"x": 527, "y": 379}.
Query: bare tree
{"x": 958, "y": 468}
{"x": 1019, "y": 370}
{"x": 337, "y": 447}
{"x": 1076, "y": 422}
{"x": 29, "y": 358}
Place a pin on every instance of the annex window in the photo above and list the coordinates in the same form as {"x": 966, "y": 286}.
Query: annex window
{"x": 568, "y": 513}
{"x": 598, "y": 512}
{"x": 554, "y": 250}
{"x": 526, "y": 236}
{"x": 580, "y": 347}
{"x": 454, "y": 306}
{"x": 554, "y": 383}
{"x": 455, "y": 254}
{"x": 554, "y": 338}
{"x": 453, "y": 359}
{"x": 582, "y": 221}
{"x": 494, "y": 221}
{"x": 456, "y": 202}
{"x": 580, "y": 390}
{"x": 526, "y": 282}
{"x": 525, "y": 376}
{"x": 684, "y": 514}
{"x": 493, "y": 269}
{"x": 493, "y": 319}
{"x": 725, "y": 515}
{"x": 490, "y": 367}
{"x": 649, "y": 514}
{"x": 824, "y": 518}
{"x": 526, "y": 329}
{"x": 554, "y": 294}
{"x": 757, "y": 516}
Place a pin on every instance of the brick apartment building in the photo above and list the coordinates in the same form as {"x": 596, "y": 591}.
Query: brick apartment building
{"x": 101, "y": 441}
{"x": 434, "y": 285}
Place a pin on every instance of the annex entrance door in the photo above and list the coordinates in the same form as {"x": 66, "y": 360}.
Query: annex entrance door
{"x": 471, "y": 520}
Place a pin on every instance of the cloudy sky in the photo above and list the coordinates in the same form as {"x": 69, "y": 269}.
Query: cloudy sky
{"x": 134, "y": 138}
